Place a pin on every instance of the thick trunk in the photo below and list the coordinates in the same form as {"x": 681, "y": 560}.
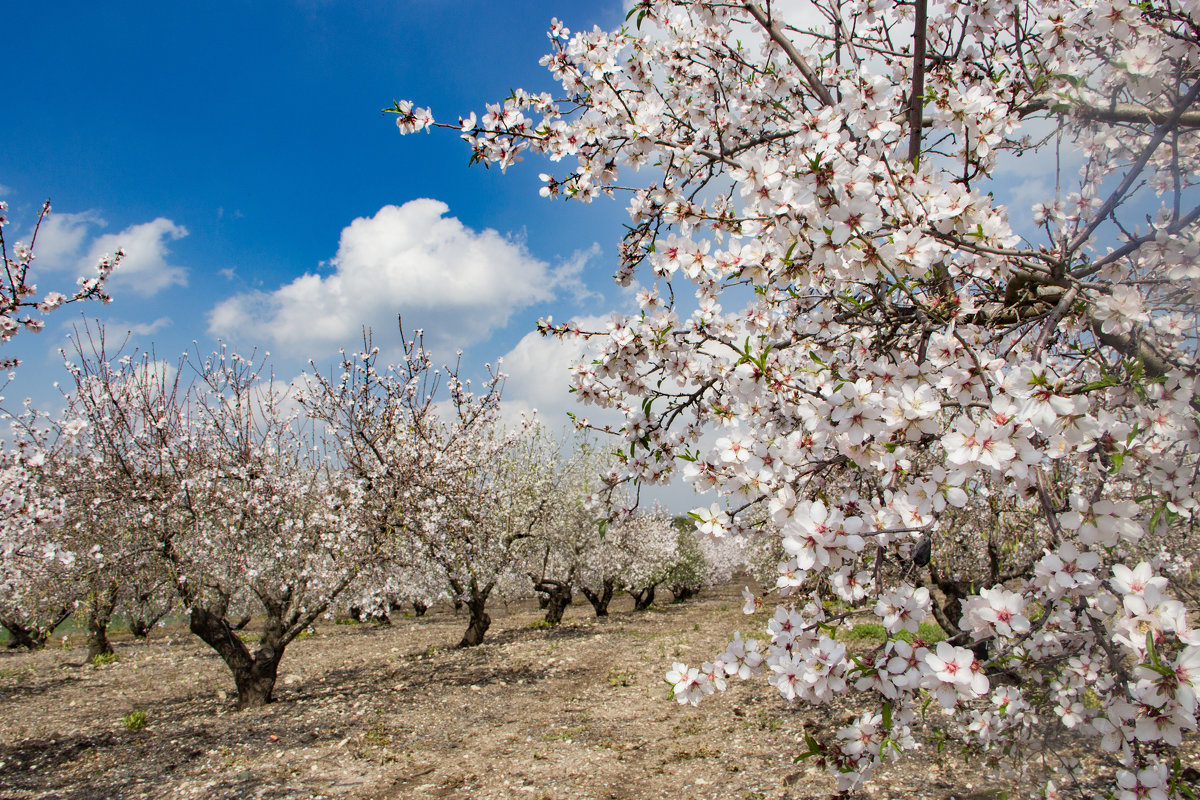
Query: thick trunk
{"x": 256, "y": 683}
{"x": 145, "y": 615}
{"x": 255, "y": 674}
{"x": 558, "y": 597}
{"x": 419, "y": 608}
{"x": 600, "y": 600}
{"x": 480, "y": 621}
{"x": 684, "y": 593}
{"x": 98, "y": 617}
{"x": 20, "y": 636}
{"x": 32, "y": 637}
{"x": 98, "y": 644}
{"x": 642, "y": 598}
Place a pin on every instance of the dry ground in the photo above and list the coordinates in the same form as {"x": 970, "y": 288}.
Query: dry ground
{"x": 394, "y": 712}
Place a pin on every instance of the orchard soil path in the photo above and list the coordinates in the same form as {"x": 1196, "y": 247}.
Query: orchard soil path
{"x": 366, "y": 711}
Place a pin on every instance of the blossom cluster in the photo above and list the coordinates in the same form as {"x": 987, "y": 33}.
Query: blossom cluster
{"x": 934, "y": 403}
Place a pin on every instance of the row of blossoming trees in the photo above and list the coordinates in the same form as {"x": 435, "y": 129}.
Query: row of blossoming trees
{"x": 207, "y": 486}
{"x": 932, "y": 401}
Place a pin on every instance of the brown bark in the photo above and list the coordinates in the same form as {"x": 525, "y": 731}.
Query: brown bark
{"x": 642, "y": 598}
{"x": 253, "y": 674}
{"x": 600, "y": 600}
{"x": 31, "y": 638}
{"x": 684, "y": 593}
{"x": 99, "y": 615}
{"x": 558, "y": 596}
{"x": 480, "y": 621}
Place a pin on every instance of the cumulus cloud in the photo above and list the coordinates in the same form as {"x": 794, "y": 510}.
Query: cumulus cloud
{"x": 65, "y": 241}
{"x": 61, "y": 239}
{"x": 457, "y": 284}
{"x": 144, "y": 270}
{"x": 538, "y": 371}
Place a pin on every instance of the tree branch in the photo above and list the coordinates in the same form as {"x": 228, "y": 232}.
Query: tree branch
{"x": 915, "y": 104}
{"x": 781, "y": 39}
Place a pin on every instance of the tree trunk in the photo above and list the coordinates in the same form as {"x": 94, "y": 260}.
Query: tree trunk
{"x": 31, "y": 638}
{"x": 99, "y": 615}
{"x": 144, "y": 613}
{"x": 480, "y": 621}
{"x": 98, "y": 644}
{"x": 419, "y": 608}
{"x": 20, "y": 636}
{"x": 684, "y": 593}
{"x": 642, "y": 598}
{"x": 600, "y": 601}
{"x": 255, "y": 674}
{"x": 558, "y": 597}
{"x": 256, "y": 683}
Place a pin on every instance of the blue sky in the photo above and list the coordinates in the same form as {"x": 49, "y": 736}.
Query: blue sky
{"x": 237, "y": 152}
{"x": 230, "y": 147}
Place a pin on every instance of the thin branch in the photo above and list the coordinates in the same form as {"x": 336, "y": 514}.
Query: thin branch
{"x": 781, "y": 39}
{"x": 1131, "y": 176}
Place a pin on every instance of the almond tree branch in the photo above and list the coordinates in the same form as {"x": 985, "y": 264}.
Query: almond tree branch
{"x": 777, "y": 34}
{"x": 915, "y": 104}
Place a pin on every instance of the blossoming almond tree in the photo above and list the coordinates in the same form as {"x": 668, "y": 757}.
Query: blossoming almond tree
{"x": 38, "y": 560}
{"x": 440, "y": 486}
{"x": 18, "y": 296}
{"x": 231, "y": 494}
{"x": 897, "y": 339}
{"x": 28, "y": 506}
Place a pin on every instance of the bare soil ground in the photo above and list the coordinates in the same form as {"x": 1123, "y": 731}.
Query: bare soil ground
{"x": 369, "y": 711}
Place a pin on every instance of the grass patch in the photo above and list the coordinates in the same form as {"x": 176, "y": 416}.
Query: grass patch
{"x": 620, "y": 677}
{"x": 103, "y": 659}
{"x": 135, "y": 720}
{"x": 377, "y": 734}
{"x": 539, "y": 624}
{"x": 566, "y": 734}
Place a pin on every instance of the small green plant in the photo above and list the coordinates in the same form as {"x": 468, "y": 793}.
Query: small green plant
{"x": 18, "y": 672}
{"x": 765, "y": 722}
{"x": 249, "y": 638}
{"x": 101, "y": 659}
{"x": 538, "y": 624}
{"x": 620, "y": 677}
{"x": 135, "y": 720}
{"x": 377, "y": 733}
{"x": 307, "y": 632}
{"x": 566, "y": 734}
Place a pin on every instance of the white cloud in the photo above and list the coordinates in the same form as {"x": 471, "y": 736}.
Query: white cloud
{"x": 138, "y": 328}
{"x": 538, "y": 371}
{"x": 457, "y": 284}
{"x": 144, "y": 270}
{"x": 64, "y": 241}
{"x": 61, "y": 239}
